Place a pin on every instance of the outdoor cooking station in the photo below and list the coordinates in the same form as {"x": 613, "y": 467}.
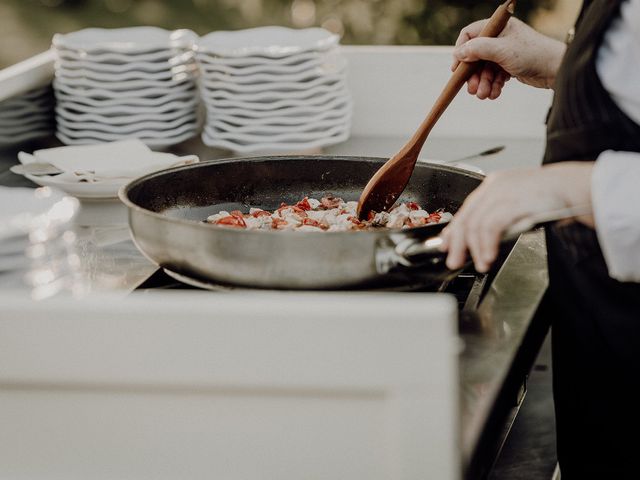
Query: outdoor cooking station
{"x": 498, "y": 331}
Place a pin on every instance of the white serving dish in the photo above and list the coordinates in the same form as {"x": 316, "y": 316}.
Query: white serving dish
{"x": 125, "y": 96}
{"x": 274, "y": 86}
{"x": 122, "y": 60}
{"x": 271, "y": 146}
{"x": 257, "y": 78}
{"x": 282, "y": 120}
{"x": 26, "y": 120}
{"x": 131, "y": 40}
{"x": 318, "y": 61}
{"x": 189, "y": 102}
{"x": 172, "y": 82}
{"x": 126, "y": 64}
{"x": 309, "y": 95}
{"x": 23, "y": 128}
{"x": 302, "y": 112}
{"x": 101, "y": 189}
{"x": 79, "y": 128}
{"x": 266, "y": 137}
{"x": 72, "y": 74}
{"x": 269, "y": 130}
{"x": 151, "y": 138}
{"x": 125, "y": 119}
{"x": 28, "y": 135}
{"x": 266, "y": 102}
{"x": 150, "y": 101}
{"x": 26, "y": 110}
{"x": 254, "y": 62}
{"x": 267, "y": 41}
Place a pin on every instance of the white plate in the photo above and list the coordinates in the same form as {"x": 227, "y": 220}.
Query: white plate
{"x": 328, "y": 61}
{"x": 126, "y": 119}
{"x": 134, "y": 95}
{"x": 26, "y": 121}
{"x": 94, "y": 190}
{"x": 23, "y": 137}
{"x": 273, "y": 86}
{"x": 298, "y": 137}
{"x": 249, "y": 63}
{"x": 31, "y": 96}
{"x": 248, "y": 111}
{"x": 78, "y": 128}
{"x": 130, "y": 103}
{"x": 152, "y": 139}
{"x": 122, "y": 60}
{"x": 190, "y": 103}
{"x": 275, "y": 130}
{"x": 262, "y": 102}
{"x": 126, "y": 64}
{"x": 69, "y": 75}
{"x": 253, "y": 147}
{"x": 176, "y": 81}
{"x": 123, "y": 40}
{"x": 270, "y": 97}
{"x": 26, "y": 112}
{"x": 282, "y": 120}
{"x": 267, "y": 41}
{"x": 307, "y": 74}
{"x": 20, "y": 129}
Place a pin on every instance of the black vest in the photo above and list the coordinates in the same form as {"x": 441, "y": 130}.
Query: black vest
{"x": 595, "y": 319}
{"x": 584, "y": 121}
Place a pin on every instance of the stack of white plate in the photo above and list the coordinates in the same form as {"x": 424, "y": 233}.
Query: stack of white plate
{"x": 273, "y": 89}
{"x": 27, "y": 116}
{"x": 138, "y": 82}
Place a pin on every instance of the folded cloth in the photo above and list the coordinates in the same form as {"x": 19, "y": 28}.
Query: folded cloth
{"x": 105, "y": 161}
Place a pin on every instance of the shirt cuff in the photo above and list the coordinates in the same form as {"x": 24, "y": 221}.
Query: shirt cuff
{"x": 615, "y": 194}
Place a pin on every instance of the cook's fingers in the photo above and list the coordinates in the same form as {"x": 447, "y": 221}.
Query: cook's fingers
{"x": 496, "y": 89}
{"x": 472, "y": 83}
{"x": 486, "y": 82}
{"x": 481, "y": 48}
{"x": 470, "y": 31}
{"x": 457, "y": 247}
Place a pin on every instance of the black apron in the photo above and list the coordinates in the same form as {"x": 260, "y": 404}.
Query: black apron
{"x": 595, "y": 319}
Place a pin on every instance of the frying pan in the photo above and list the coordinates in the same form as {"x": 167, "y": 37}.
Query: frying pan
{"x": 167, "y": 210}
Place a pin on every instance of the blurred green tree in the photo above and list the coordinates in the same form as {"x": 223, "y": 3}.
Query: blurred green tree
{"x": 403, "y": 22}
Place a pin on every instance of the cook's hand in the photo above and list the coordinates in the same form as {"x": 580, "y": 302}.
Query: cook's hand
{"x": 506, "y": 197}
{"x": 519, "y": 52}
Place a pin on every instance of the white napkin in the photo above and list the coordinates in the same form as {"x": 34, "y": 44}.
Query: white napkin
{"x": 105, "y": 161}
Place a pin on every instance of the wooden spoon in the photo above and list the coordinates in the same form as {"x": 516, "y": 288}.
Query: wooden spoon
{"x": 388, "y": 183}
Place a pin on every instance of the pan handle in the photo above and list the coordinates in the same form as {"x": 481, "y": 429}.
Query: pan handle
{"x": 415, "y": 252}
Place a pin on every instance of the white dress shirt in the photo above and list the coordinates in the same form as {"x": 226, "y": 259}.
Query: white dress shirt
{"x": 615, "y": 182}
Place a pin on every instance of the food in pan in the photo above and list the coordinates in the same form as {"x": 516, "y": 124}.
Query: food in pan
{"x": 330, "y": 214}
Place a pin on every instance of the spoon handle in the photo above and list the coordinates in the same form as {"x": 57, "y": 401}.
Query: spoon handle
{"x": 462, "y": 73}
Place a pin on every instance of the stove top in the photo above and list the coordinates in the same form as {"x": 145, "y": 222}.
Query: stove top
{"x": 468, "y": 287}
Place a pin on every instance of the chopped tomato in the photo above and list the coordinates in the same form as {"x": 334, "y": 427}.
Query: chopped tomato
{"x": 434, "y": 218}
{"x": 232, "y": 221}
{"x": 312, "y": 222}
{"x": 330, "y": 201}
{"x": 371, "y": 215}
{"x": 412, "y": 206}
{"x": 276, "y": 223}
{"x": 237, "y": 213}
{"x": 260, "y": 213}
{"x": 295, "y": 209}
{"x": 304, "y": 204}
